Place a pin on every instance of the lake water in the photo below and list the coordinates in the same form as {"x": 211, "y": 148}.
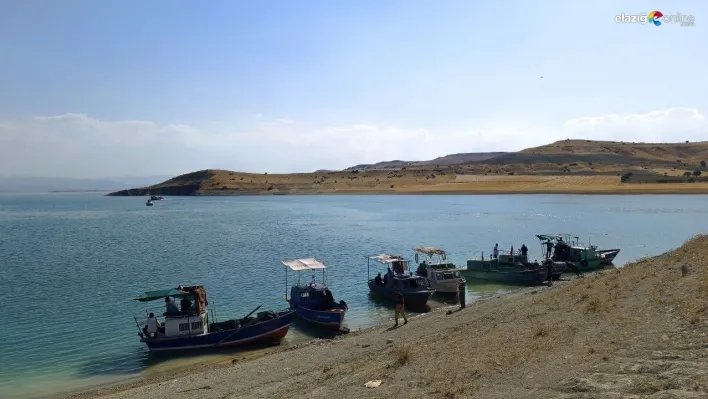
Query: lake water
{"x": 71, "y": 263}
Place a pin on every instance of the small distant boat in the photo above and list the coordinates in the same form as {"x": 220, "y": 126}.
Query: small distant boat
{"x": 444, "y": 277}
{"x": 156, "y": 198}
{"x": 608, "y": 255}
{"x": 193, "y": 328}
{"x": 149, "y": 203}
{"x": 415, "y": 289}
{"x": 314, "y": 302}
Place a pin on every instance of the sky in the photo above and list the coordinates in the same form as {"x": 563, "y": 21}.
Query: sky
{"x": 130, "y": 88}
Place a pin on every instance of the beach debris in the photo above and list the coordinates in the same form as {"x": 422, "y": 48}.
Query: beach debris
{"x": 366, "y": 345}
{"x": 449, "y": 312}
{"x": 373, "y": 384}
{"x": 389, "y": 341}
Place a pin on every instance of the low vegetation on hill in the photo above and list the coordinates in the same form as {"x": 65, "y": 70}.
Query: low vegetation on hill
{"x": 607, "y": 167}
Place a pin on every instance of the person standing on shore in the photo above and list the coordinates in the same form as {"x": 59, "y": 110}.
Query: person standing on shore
{"x": 400, "y": 308}
{"x": 461, "y": 294}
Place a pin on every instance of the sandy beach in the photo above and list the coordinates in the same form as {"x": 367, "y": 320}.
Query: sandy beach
{"x": 637, "y": 331}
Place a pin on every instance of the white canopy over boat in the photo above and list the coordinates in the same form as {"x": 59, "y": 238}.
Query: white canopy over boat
{"x": 299, "y": 265}
{"x": 385, "y": 259}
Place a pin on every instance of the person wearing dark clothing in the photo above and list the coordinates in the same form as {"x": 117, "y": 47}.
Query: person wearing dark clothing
{"x": 385, "y": 279}
{"x": 524, "y": 253}
{"x": 549, "y": 272}
{"x": 462, "y": 292}
{"x": 400, "y": 308}
{"x": 378, "y": 280}
{"x": 185, "y": 304}
{"x": 549, "y": 248}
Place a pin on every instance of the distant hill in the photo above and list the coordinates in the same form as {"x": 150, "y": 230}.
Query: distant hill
{"x": 46, "y": 184}
{"x": 452, "y": 159}
{"x": 568, "y": 166}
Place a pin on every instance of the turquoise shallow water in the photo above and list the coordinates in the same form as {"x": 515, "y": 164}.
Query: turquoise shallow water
{"x": 71, "y": 263}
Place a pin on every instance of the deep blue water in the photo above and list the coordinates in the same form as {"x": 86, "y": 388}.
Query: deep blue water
{"x": 71, "y": 263}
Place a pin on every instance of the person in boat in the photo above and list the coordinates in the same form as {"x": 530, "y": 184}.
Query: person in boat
{"x": 185, "y": 305}
{"x": 400, "y": 308}
{"x": 152, "y": 326}
{"x": 385, "y": 279}
{"x": 524, "y": 253}
{"x": 378, "y": 280}
{"x": 495, "y": 251}
{"x": 549, "y": 248}
{"x": 170, "y": 307}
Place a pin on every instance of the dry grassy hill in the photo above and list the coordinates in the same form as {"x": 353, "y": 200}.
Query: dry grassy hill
{"x": 577, "y": 166}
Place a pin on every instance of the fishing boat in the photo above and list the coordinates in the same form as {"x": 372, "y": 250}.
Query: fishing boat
{"x": 149, "y": 203}
{"x": 444, "y": 277}
{"x": 192, "y": 327}
{"x": 608, "y": 255}
{"x": 314, "y": 302}
{"x": 568, "y": 249}
{"x": 511, "y": 268}
{"x": 415, "y": 289}
{"x": 156, "y": 198}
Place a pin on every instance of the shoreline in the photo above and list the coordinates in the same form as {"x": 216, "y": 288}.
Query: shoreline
{"x": 258, "y": 352}
{"x": 633, "y": 331}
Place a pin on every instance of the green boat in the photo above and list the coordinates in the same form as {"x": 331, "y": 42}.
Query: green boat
{"x": 568, "y": 249}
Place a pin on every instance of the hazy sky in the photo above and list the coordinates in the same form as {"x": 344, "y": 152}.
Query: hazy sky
{"x": 108, "y": 88}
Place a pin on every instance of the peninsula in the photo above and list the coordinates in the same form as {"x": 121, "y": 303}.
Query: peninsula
{"x": 637, "y": 331}
{"x": 569, "y": 166}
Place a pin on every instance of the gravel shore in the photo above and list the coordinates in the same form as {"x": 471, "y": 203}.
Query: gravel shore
{"x": 635, "y": 332}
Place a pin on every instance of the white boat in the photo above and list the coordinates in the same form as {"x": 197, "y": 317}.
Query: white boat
{"x": 444, "y": 277}
{"x": 149, "y": 203}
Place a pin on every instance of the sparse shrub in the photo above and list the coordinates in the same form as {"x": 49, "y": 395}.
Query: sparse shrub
{"x": 684, "y": 270}
{"x": 697, "y": 172}
{"x": 703, "y": 164}
{"x": 402, "y": 356}
{"x": 392, "y": 185}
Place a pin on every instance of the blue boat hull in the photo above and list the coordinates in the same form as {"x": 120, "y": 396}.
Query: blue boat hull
{"x": 267, "y": 331}
{"x": 323, "y": 318}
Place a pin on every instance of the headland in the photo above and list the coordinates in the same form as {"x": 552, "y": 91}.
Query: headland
{"x": 564, "y": 167}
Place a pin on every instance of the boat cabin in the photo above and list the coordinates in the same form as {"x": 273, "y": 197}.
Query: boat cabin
{"x": 184, "y": 313}
{"x": 436, "y": 262}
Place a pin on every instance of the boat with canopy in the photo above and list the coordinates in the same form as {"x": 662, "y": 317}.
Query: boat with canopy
{"x": 444, "y": 277}
{"x": 313, "y": 302}
{"x": 192, "y": 327}
{"x": 416, "y": 290}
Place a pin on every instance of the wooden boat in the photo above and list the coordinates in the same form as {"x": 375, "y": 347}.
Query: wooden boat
{"x": 511, "y": 268}
{"x": 444, "y": 277}
{"x": 416, "y": 290}
{"x": 314, "y": 302}
{"x": 567, "y": 249}
{"x": 193, "y": 328}
{"x": 608, "y": 255}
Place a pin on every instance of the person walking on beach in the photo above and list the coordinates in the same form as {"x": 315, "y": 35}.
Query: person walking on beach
{"x": 400, "y": 308}
{"x": 461, "y": 293}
